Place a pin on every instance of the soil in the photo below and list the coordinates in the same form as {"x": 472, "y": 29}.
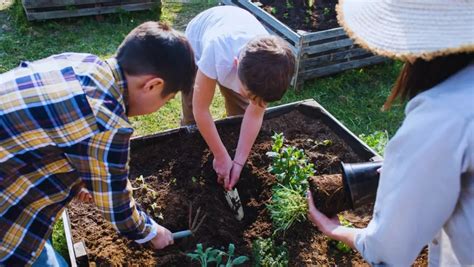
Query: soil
{"x": 180, "y": 171}
{"x": 306, "y": 15}
{"x": 329, "y": 195}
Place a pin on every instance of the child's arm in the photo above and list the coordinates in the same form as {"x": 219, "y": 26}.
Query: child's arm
{"x": 102, "y": 163}
{"x": 251, "y": 125}
{"x": 202, "y": 97}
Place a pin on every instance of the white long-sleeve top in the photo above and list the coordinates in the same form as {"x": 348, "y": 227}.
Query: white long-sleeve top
{"x": 426, "y": 189}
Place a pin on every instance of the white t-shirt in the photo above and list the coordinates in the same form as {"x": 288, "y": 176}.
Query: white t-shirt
{"x": 217, "y": 36}
{"x": 426, "y": 190}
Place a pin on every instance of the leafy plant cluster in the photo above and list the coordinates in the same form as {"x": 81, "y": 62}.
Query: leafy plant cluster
{"x": 341, "y": 246}
{"x": 267, "y": 254}
{"x": 377, "y": 140}
{"x": 150, "y": 197}
{"x": 217, "y": 256}
{"x": 292, "y": 170}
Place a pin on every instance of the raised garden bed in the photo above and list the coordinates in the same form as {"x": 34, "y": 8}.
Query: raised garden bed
{"x": 178, "y": 165}
{"x": 321, "y": 46}
{"x": 52, "y": 9}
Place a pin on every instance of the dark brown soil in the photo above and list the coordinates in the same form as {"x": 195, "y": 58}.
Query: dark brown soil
{"x": 181, "y": 171}
{"x": 307, "y": 15}
{"x": 328, "y": 194}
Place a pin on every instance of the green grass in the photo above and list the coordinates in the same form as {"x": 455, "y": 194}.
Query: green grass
{"x": 354, "y": 97}
{"x": 59, "y": 239}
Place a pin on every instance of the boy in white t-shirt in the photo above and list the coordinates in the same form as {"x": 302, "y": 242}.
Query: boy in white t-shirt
{"x": 251, "y": 67}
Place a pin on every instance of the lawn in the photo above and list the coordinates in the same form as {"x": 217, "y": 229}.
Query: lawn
{"x": 354, "y": 97}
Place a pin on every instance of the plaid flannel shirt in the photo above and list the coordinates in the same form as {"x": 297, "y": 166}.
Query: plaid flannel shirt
{"x": 62, "y": 122}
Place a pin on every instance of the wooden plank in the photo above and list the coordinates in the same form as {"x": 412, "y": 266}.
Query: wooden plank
{"x": 272, "y": 21}
{"x": 69, "y": 242}
{"x": 331, "y": 69}
{"x": 87, "y": 11}
{"x": 345, "y": 55}
{"x": 66, "y": 3}
{"x": 323, "y": 35}
{"x": 314, "y": 49}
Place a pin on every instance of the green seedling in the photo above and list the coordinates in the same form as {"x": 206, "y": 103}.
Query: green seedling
{"x": 140, "y": 180}
{"x": 217, "y": 256}
{"x": 324, "y": 143}
{"x": 289, "y": 164}
{"x": 292, "y": 170}
{"x": 377, "y": 140}
{"x": 287, "y": 207}
{"x": 341, "y": 246}
{"x": 311, "y": 3}
{"x": 267, "y": 254}
{"x": 274, "y": 10}
{"x": 326, "y": 11}
{"x": 289, "y": 5}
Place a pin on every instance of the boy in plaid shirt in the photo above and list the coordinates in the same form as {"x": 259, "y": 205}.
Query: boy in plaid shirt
{"x": 64, "y": 123}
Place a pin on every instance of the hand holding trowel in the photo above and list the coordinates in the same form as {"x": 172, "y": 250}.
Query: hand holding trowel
{"x": 233, "y": 199}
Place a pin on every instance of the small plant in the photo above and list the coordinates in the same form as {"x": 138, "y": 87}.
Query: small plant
{"x": 217, "y": 256}
{"x": 206, "y": 256}
{"x": 287, "y": 207}
{"x": 289, "y": 5}
{"x": 377, "y": 140}
{"x": 290, "y": 164}
{"x": 341, "y": 246}
{"x": 267, "y": 254}
{"x": 273, "y": 10}
{"x": 285, "y": 15}
{"x": 311, "y": 3}
{"x": 326, "y": 11}
{"x": 154, "y": 210}
{"x": 292, "y": 170}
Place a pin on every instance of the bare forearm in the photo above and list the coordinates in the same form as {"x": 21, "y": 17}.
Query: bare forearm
{"x": 251, "y": 125}
{"x": 345, "y": 234}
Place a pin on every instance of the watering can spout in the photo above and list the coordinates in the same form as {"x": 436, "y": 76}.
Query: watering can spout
{"x": 361, "y": 181}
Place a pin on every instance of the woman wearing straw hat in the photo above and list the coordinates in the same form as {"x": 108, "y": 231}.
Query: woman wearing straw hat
{"x": 426, "y": 189}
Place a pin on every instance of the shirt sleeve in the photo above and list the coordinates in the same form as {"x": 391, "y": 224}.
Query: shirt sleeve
{"x": 419, "y": 186}
{"x": 102, "y": 163}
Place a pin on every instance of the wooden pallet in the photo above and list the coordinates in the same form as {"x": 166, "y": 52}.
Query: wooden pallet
{"x": 317, "y": 53}
{"x": 52, "y": 9}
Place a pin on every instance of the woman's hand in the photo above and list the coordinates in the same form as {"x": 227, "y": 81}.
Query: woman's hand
{"x": 322, "y": 222}
{"x": 330, "y": 226}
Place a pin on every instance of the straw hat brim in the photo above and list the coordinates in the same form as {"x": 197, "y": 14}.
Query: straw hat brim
{"x": 409, "y": 29}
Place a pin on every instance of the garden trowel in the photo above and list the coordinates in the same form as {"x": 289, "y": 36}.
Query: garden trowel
{"x": 233, "y": 200}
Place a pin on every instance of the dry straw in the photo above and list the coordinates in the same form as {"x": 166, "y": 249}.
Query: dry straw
{"x": 410, "y": 29}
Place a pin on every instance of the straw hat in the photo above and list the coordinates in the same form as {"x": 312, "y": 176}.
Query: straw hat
{"x": 410, "y": 29}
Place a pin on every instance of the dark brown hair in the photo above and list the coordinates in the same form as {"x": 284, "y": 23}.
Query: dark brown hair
{"x": 266, "y": 67}
{"x": 154, "y": 48}
{"x": 422, "y": 75}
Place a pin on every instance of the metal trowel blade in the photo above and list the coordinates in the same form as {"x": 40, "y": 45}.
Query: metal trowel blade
{"x": 233, "y": 200}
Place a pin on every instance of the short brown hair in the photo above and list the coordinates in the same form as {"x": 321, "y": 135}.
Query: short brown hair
{"x": 155, "y": 48}
{"x": 266, "y": 66}
{"x": 422, "y": 75}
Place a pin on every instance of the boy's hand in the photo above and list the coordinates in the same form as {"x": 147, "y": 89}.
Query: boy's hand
{"x": 223, "y": 166}
{"x": 234, "y": 176}
{"x": 162, "y": 239}
{"x": 84, "y": 196}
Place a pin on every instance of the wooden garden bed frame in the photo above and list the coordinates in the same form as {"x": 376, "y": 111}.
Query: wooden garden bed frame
{"x": 52, "y": 9}
{"x": 317, "y": 53}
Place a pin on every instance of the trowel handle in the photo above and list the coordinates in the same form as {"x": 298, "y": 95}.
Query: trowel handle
{"x": 182, "y": 234}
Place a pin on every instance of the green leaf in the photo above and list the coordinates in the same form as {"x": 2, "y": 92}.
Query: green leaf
{"x": 240, "y": 260}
